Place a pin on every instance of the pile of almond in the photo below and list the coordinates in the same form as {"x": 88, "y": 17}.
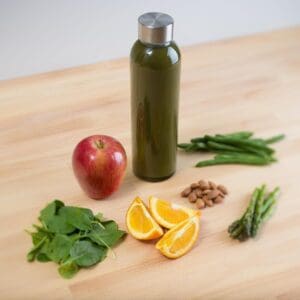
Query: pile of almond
{"x": 205, "y": 193}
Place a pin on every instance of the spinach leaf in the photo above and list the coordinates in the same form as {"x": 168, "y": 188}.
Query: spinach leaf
{"x": 59, "y": 224}
{"x": 113, "y": 233}
{"x": 78, "y": 217}
{"x": 50, "y": 210}
{"x": 39, "y": 234}
{"x": 72, "y": 237}
{"x": 85, "y": 253}
{"x": 42, "y": 257}
{"x": 58, "y": 249}
{"x": 108, "y": 236}
{"x": 99, "y": 217}
{"x": 53, "y": 221}
{"x": 68, "y": 269}
{"x": 42, "y": 254}
{"x": 35, "y": 249}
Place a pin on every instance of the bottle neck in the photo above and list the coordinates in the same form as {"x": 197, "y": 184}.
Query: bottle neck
{"x": 152, "y": 45}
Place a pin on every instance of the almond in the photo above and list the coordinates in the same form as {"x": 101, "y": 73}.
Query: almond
{"x": 213, "y": 194}
{"x": 205, "y": 192}
{"x": 212, "y": 185}
{"x": 209, "y": 202}
{"x": 192, "y": 197}
{"x": 200, "y": 203}
{"x": 219, "y": 199}
{"x": 203, "y": 185}
{"x": 186, "y": 192}
{"x": 194, "y": 185}
{"x": 223, "y": 189}
{"x": 198, "y": 193}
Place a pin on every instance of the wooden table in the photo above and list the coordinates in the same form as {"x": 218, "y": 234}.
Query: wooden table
{"x": 248, "y": 83}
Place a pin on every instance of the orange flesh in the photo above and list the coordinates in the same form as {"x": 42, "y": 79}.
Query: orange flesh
{"x": 171, "y": 214}
{"x": 181, "y": 241}
{"x": 139, "y": 221}
{"x": 168, "y": 238}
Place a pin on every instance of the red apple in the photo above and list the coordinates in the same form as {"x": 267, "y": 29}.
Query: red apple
{"x": 99, "y": 164}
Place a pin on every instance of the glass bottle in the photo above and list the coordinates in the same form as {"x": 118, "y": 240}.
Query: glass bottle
{"x": 155, "y": 80}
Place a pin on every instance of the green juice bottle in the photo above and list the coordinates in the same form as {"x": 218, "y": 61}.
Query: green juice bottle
{"x": 155, "y": 80}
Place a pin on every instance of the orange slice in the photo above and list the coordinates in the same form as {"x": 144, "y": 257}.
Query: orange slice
{"x": 180, "y": 239}
{"x": 169, "y": 214}
{"x": 140, "y": 223}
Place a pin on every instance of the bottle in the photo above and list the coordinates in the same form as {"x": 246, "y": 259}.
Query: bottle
{"x": 155, "y": 79}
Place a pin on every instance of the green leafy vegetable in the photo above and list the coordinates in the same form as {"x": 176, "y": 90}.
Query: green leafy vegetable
{"x": 234, "y": 148}
{"x": 72, "y": 237}
{"x": 108, "y": 235}
{"x": 42, "y": 257}
{"x": 260, "y": 208}
{"x": 35, "y": 250}
{"x": 85, "y": 253}
{"x": 68, "y": 269}
{"x": 80, "y": 218}
{"x": 59, "y": 248}
{"x": 52, "y": 220}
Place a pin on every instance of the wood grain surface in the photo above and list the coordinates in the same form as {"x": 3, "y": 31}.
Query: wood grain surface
{"x": 248, "y": 83}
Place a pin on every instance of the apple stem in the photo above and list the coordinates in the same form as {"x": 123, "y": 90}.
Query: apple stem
{"x": 99, "y": 144}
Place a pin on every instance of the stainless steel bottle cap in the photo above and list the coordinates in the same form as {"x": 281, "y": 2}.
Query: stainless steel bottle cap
{"x": 155, "y": 28}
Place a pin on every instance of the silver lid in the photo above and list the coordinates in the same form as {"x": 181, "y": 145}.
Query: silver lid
{"x": 155, "y": 28}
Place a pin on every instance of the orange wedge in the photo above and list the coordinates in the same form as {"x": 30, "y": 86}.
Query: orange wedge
{"x": 140, "y": 223}
{"x": 169, "y": 214}
{"x": 180, "y": 239}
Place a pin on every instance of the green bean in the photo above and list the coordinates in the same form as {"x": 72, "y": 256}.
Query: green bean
{"x": 251, "y": 150}
{"x": 240, "y": 142}
{"x": 234, "y": 148}
{"x": 198, "y": 139}
{"x": 219, "y": 146}
{"x": 275, "y": 139}
{"x": 183, "y": 145}
{"x": 237, "y": 135}
{"x": 190, "y": 147}
{"x": 235, "y": 159}
{"x": 259, "y": 141}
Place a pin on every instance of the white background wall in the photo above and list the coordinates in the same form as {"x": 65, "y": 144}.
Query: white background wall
{"x": 44, "y": 35}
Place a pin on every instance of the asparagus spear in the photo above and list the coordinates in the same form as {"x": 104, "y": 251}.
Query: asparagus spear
{"x": 237, "y": 231}
{"x": 234, "y": 226}
{"x": 268, "y": 212}
{"x": 270, "y": 199}
{"x": 258, "y": 211}
{"x": 265, "y": 211}
{"x": 248, "y": 218}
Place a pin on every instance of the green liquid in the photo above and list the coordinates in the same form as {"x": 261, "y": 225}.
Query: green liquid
{"x": 155, "y": 79}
